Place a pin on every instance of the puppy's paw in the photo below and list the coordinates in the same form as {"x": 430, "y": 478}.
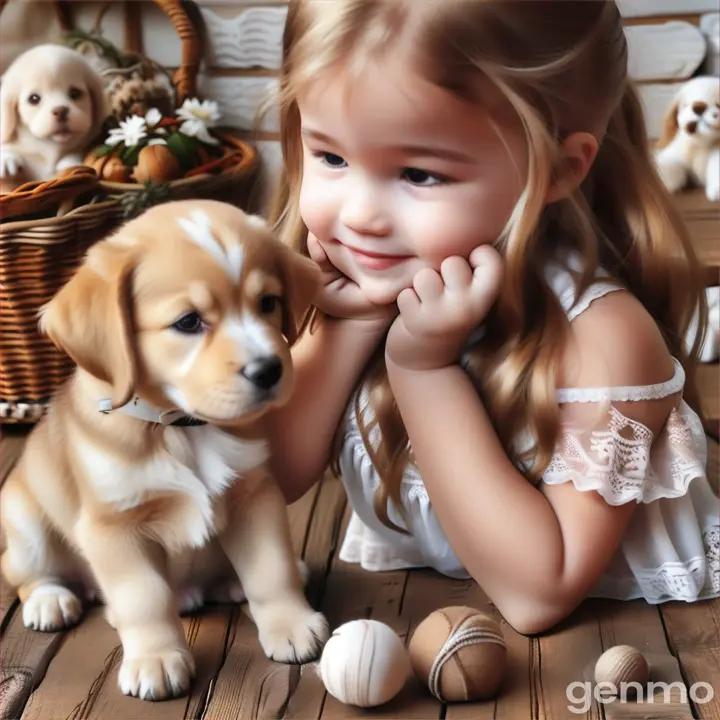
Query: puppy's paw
{"x": 67, "y": 162}
{"x": 157, "y": 676}
{"x": 50, "y": 608}
{"x": 291, "y": 633}
{"x": 11, "y": 163}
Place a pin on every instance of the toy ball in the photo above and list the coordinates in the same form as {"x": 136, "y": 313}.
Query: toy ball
{"x": 622, "y": 664}
{"x": 364, "y": 663}
{"x": 460, "y": 653}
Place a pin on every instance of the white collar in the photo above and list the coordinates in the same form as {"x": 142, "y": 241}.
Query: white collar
{"x": 143, "y": 410}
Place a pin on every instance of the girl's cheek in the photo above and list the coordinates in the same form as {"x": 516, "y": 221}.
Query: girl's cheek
{"x": 313, "y": 203}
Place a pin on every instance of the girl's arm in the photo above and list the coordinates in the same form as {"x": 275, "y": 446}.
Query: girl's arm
{"x": 328, "y": 364}
{"x": 536, "y": 554}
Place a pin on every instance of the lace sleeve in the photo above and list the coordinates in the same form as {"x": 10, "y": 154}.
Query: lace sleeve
{"x": 601, "y": 449}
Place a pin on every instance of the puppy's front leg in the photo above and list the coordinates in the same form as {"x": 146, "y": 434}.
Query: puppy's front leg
{"x": 257, "y": 542}
{"x": 157, "y": 662}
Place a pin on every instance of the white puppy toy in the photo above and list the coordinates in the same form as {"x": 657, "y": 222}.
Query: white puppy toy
{"x": 689, "y": 147}
{"x": 52, "y": 105}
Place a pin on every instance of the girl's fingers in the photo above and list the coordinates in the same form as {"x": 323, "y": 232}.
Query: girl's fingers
{"x": 456, "y": 273}
{"x": 408, "y": 302}
{"x": 428, "y": 284}
{"x": 317, "y": 253}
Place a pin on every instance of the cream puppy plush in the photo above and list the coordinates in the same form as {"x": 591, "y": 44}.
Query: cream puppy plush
{"x": 52, "y": 104}
{"x": 689, "y": 147}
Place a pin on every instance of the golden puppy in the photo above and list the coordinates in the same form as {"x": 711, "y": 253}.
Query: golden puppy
{"x": 52, "y": 105}
{"x": 147, "y": 479}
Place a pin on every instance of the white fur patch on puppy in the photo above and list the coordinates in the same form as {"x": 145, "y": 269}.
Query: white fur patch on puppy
{"x": 199, "y": 231}
{"x": 249, "y": 334}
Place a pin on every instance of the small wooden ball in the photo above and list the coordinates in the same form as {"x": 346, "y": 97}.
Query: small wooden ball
{"x": 622, "y": 664}
{"x": 364, "y": 663}
{"x": 460, "y": 653}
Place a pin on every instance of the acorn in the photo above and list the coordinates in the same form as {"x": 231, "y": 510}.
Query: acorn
{"x": 156, "y": 164}
{"x": 95, "y": 162}
{"x": 114, "y": 170}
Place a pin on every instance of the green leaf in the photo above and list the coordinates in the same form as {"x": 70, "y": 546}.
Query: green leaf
{"x": 183, "y": 149}
{"x": 104, "y": 150}
{"x": 130, "y": 155}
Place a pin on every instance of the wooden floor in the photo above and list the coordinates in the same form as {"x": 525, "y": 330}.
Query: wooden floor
{"x": 73, "y": 675}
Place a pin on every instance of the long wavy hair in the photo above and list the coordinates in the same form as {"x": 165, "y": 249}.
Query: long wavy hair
{"x": 562, "y": 66}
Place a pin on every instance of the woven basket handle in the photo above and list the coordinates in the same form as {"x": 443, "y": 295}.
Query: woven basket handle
{"x": 185, "y": 77}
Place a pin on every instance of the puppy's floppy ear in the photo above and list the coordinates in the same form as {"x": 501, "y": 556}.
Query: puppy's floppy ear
{"x": 100, "y": 102}
{"x": 669, "y": 126}
{"x": 302, "y": 282}
{"x": 90, "y": 318}
{"x": 9, "y": 118}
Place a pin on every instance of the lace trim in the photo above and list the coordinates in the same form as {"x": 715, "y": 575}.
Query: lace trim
{"x": 594, "y": 292}
{"x": 689, "y": 581}
{"x": 616, "y": 461}
{"x": 625, "y": 393}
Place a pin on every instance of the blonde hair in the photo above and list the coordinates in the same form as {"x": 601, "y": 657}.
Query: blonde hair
{"x": 562, "y": 67}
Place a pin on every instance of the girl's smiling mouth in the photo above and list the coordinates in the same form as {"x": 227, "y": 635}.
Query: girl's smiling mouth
{"x": 373, "y": 260}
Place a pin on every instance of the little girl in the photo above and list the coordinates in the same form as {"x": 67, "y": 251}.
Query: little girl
{"x": 498, "y": 349}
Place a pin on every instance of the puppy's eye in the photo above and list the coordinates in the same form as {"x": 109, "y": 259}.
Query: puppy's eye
{"x": 268, "y": 303}
{"x": 75, "y": 93}
{"x": 33, "y": 99}
{"x": 190, "y": 324}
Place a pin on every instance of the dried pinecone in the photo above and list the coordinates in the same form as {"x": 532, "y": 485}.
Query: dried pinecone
{"x": 135, "y": 96}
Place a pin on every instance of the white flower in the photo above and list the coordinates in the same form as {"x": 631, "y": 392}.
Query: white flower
{"x": 131, "y": 132}
{"x": 157, "y": 141}
{"x": 152, "y": 117}
{"x": 198, "y": 117}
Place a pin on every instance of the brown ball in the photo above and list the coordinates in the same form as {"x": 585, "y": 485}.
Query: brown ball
{"x": 460, "y": 653}
{"x": 156, "y": 164}
{"x": 622, "y": 664}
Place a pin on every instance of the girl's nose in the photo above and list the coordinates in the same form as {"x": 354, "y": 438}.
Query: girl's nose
{"x": 363, "y": 212}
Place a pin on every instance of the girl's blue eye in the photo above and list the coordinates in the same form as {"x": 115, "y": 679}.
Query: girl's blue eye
{"x": 332, "y": 160}
{"x": 420, "y": 177}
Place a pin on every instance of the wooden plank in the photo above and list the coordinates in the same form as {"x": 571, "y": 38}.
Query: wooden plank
{"x": 562, "y": 658}
{"x": 11, "y": 447}
{"x": 25, "y": 658}
{"x": 702, "y": 219}
{"x": 249, "y": 685}
{"x": 640, "y": 625}
{"x": 702, "y": 670}
{"x": 666, "y": 51}
{"x": 708, "y": 384}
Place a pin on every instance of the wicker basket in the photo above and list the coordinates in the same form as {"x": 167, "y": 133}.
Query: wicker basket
{"x": 46, "y": 228}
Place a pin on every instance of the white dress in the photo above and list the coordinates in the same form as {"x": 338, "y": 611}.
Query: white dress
{"x": 671, "y": 549}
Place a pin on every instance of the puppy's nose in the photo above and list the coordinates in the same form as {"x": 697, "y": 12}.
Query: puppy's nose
{"x": 61, "y": 112}
{"x": 264, "y": 372}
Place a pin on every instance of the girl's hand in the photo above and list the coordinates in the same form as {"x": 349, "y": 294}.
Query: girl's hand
{"x": 342, "y": 297}
{"x": 441, "y": 310}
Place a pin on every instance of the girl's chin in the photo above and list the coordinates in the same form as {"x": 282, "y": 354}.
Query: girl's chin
{"x": 380, "y": 293}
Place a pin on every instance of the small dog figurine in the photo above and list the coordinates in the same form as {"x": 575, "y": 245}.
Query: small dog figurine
{"x": 148, "y": 479}
{"x": 52, "y": 105}
{"x": 689, "y": 146}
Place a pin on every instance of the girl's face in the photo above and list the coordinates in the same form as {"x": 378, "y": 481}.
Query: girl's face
{"x": 399, "y": 174}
